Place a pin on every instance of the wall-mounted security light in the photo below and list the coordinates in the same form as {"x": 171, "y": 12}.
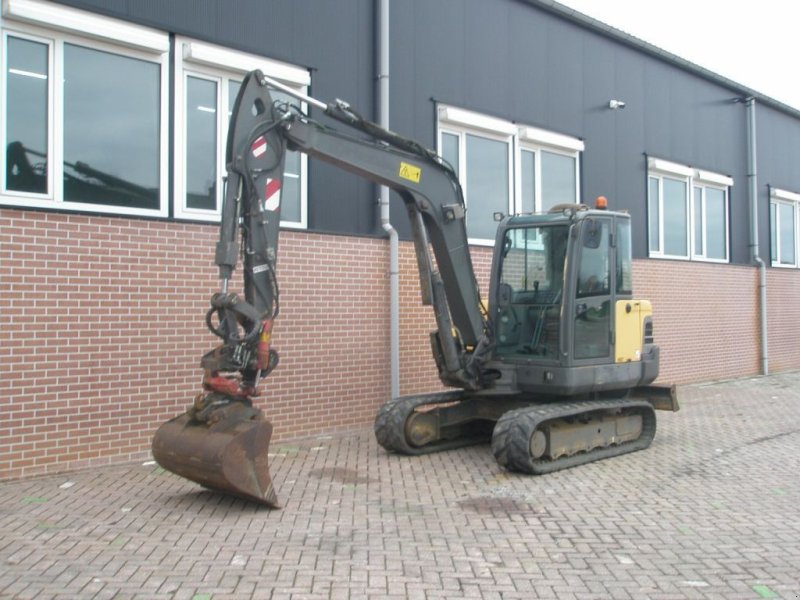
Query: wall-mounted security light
{"x": 615, "y": 104}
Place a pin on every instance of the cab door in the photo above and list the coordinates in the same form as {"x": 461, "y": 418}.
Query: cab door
{"x": 592, "y": 321}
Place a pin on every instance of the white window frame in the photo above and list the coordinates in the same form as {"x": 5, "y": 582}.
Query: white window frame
{"x": 54, "y": 24}
{"x": 710, "y": 181}
{"x": 660, "y": 169}
{"x": 222, "y": 65}
{"x": 533, "y": 139}
{"x": 460, "y": 123}
{"x": 778, "y": 197}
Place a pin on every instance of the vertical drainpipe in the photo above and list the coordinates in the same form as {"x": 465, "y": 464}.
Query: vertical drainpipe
{"x": 382, "y": 36}
{"x": 752, "y": 180}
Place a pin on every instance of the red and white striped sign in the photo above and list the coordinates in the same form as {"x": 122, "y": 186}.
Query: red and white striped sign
{"x": 272, "y": 194}
{"x": 259, "y": 146}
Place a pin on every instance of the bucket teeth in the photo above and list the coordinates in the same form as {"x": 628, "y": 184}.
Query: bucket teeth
{"x": 228, "y": 453}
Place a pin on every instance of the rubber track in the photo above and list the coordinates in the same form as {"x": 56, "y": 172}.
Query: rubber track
{"x": 390, "y": 423}
{"x": 512, "y": 434}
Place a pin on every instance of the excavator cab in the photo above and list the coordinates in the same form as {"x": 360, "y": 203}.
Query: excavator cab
{"x": 563, "y": 309}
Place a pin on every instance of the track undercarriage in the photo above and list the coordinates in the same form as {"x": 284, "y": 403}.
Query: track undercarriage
{"x": 526, "y": 436}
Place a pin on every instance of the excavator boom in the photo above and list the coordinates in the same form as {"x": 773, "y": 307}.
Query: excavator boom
{"x": 222, "y": 441}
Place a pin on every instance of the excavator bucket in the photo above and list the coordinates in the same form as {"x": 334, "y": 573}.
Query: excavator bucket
{"x": 229, "y": 455}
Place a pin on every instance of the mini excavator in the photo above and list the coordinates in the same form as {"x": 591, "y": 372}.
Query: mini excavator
{"x": 555, "y": 371}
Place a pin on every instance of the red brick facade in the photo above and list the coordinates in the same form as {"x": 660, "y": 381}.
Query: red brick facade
{"x": 103, "y": 331}
{"x": 705, "y": 318}
{"x": 783, "y": 302}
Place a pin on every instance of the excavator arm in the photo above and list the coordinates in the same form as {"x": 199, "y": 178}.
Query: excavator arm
{"x": 261, "y": 132}
{"x": 221, "y": 442}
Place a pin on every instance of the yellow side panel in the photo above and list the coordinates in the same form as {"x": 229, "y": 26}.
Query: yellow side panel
{"x": 630, "y": 316}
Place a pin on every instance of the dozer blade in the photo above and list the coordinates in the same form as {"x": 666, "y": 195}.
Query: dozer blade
{"x": 229, "y": 455}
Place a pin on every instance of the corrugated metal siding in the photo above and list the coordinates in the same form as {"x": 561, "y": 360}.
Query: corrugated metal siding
{"x": 332, "y": 39}
{"x": 510, "y": 59}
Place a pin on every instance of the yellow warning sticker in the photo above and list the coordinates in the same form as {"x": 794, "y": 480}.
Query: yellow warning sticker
{"x": 410, "y": 172}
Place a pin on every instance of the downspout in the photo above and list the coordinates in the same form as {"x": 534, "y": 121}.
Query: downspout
{"x": 752, "y": 180}
{"x": 382, "y": 36}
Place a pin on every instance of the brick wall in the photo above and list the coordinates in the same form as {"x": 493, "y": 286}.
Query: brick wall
{"x": 783, "y": 312}
{"x": 103, "y": 331}
{"x": 96, "y": 341}
{"x": 705, "y": 318}
{"x": 418, "y": 370}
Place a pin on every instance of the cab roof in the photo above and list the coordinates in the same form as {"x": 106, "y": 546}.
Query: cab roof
{"x": 563, "y": 213}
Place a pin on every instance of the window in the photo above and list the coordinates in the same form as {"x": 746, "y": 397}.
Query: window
{"x": 783, "y": 219}
{"x": 549, "y": 169}
{"x": 687, "y": 212}
{"x": 207, "y": 81}
{"x": 710, "y": 216}
{"x": 592, "y": 320}
{"x": 507, "y": 168}
{"x": 528, "y": 311}
{"x": 84, "y": 113}
{"x": 81, "y": 113}
{"x": 594, "y": 275}
{"x": 624, "y": 258}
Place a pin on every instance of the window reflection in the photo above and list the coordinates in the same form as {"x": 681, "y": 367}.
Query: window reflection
{"x": 450, "y": 150}
{"x": 111, "y": 129}
{"x": 528, "y": 181}
{"x": 716, "y": 244}
{"x": 675, "y": 217}
{"x": 201, "y": 143}
{"x": 624, "y": 258}
{"x": 593, "y": 269}
{"x": 592, "y": 311}
{"x": 487, "y": 184}
{"x": 653, "y": 203}
{"x": 27, "y": 75}
{"x": 558, "y": 180}
{"x": 528, "y": 307}
{"x": 786, "y": 218}
{"x": 698, "y": 220}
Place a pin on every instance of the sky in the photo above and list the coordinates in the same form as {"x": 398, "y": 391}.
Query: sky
{"x": 752, "y": 43}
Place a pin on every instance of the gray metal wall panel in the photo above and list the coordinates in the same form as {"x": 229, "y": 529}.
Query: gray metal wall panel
{"x": 778, "y": 163}
{"x": 333, "y": 39}
{"x": 508, "y": 59}
{"x": 532, "y": 67}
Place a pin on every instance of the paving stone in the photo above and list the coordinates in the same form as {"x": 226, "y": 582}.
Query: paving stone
{"x": 708, "y": 511}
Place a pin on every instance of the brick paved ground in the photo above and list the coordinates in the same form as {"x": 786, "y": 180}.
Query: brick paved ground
{"x": 711, "y": 510}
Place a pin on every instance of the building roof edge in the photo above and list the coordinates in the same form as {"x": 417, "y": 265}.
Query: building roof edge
{"x": 579, "y": 18}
